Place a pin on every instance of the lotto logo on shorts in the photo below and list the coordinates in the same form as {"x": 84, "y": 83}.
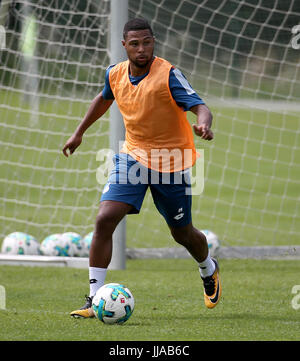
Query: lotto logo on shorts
{"x": 179, "y": 215}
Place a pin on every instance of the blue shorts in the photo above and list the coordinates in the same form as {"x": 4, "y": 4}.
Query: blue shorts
{"x": 129, "y": 181}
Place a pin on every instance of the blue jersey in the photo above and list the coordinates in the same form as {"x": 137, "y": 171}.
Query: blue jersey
{"x": 182, "y": 92}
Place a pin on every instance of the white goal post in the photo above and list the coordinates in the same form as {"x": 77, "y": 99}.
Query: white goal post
{"x": 118, "y": 18}
{"x": 241, "y": 56}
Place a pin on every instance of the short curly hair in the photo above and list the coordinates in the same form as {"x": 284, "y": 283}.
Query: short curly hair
{"x": 136, "y": 24}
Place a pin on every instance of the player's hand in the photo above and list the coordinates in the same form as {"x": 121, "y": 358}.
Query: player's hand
{"x": 72, "y": 143}
{"x": 203, "y": 131}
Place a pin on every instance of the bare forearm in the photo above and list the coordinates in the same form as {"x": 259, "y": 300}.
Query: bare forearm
{"x": 98, "y": 107}
{"x": 204, "y": 115}
{"x": 204, "y": 122}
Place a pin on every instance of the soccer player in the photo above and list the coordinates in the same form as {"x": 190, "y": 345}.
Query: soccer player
{"x": 153, "y": 98}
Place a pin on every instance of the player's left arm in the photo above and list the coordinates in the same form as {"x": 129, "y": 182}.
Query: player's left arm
{"x": 204, "y": 121}
{"x": 186, "y": 97}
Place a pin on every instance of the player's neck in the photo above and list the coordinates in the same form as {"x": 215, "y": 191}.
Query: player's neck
{"x": 139, "y": 71}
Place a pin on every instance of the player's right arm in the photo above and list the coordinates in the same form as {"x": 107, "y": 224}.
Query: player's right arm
{"x": 98, "y": 107}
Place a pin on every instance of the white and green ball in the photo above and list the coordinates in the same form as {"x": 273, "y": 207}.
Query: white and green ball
{"x": 53, "y": 245}
{"x": 73, "y": 243}
{"x": 113, "y": 303}
{"x": 213, "y": 242}
{"x": 20, "y": 243}
{"x": 87, "y": 240}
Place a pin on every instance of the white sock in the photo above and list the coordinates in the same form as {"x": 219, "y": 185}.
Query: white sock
{"x": 207, "y": 267}
{"x": 97, "y": 277}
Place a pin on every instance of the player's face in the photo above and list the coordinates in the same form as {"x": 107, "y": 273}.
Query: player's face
{"x": 139, "y": 46}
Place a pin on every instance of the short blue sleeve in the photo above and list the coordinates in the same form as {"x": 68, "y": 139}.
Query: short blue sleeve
{"x": 182, "y": 92}
{"x": 107, "y": 92}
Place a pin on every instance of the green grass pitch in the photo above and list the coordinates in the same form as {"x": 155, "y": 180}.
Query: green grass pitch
{"x": 256, "y": 303}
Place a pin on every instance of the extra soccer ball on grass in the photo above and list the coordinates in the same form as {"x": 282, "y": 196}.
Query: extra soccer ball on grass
{"x": 20, "y": 243}
{"x": 52, "y": 246}
{"x": 68, "y": 244}
{"x": 212, "y": 241}
{"x": 87, "y": 240}
{"x": 113, "y": 303}
{"x": 73, "y": 243}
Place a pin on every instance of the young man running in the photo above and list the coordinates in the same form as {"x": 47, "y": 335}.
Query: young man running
{"x": 153, "y": 98}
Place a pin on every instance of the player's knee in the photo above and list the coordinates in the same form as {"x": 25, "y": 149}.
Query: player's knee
{"x": 182, "y": 235}
{"x": 106, "y": 222}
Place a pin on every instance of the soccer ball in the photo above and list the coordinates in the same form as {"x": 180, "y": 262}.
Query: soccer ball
{"x": 212, "y": 241}
{"x": 32, "y": 246}
{"x": 87, "y": 240}
{"x": 53, "y": 245}
{"x": 113, "y": 303}
{"x": 73, "y": 244}
{"x": 20, "y": 243}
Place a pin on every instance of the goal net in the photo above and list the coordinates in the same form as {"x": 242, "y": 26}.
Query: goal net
{"x": 241, "y": 56}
